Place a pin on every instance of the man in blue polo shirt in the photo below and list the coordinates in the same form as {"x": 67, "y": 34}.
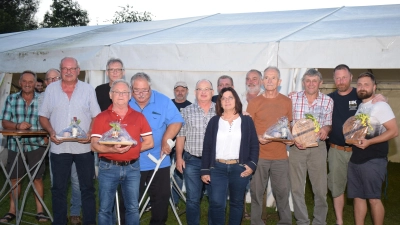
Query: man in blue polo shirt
{"x": 165, "y": 122}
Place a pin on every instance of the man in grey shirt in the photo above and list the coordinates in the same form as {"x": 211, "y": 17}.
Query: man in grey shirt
{"x": 65, "y": 99}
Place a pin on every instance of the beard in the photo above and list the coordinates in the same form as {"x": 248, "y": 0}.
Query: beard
{"x": 253, "y": 90}
{"x": 343, "y": 87}
{"x": 364, "y": 94}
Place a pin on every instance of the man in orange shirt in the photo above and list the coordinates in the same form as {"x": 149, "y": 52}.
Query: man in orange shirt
{"x": 266, "y": 109}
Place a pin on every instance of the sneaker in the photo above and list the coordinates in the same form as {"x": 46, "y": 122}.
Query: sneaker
{"x": 75, "y": 220}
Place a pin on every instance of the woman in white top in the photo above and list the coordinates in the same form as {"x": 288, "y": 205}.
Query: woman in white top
{"x": 230, "y": 156}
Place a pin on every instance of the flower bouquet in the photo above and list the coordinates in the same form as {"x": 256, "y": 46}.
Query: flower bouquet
{"x": 117, "y": 135}
{"x": 356, "y": 127}
{"x": 279, "y": 132}
{"x": 73, "y": 132}
{"x": 304, "y": 131}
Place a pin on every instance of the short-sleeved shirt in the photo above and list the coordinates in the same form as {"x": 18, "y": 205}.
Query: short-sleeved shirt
{"x": 16, "y": 111}
{"x": 195, "y": 127}
{"x": 103, "y": 96}
{"x": 379, "y": 113}
{"x": 344, "y": 106}
{"x": 265, "y": 112}
{"x": 243, "y": 99}
{"x": 60, "y": 110}
{"x": 321, "y": 108}
{"x": 181, "y": 105}
{"x": 160, "y": 112}
{"x": 134, "y": 123}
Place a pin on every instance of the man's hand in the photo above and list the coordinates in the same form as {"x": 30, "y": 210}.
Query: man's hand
{"x": 323, "y": 133}
{"x": 53, "y": 138}
{"x": 206, "y": 179}
{"x": 247, "y": 172}
{"x": 379, "y": 98}
{"x": 24, "y": 126}
{"x": 363, "y": 143}
{"x": 165, "y": 149}
{"x": 262, "y": 140}
{"x": 120, "y": 148}
{"x": 87, "y": 140}
{"x": 299, "y": 146}
{"x": 180, "y": 165}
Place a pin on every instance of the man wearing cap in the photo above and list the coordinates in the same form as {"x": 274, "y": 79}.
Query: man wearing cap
{"x": 223, "y": 82}
{"x": 181, "y": 92}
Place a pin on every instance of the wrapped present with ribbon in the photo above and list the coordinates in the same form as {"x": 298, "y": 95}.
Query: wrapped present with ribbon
{"x": 356, "y": 127}
{"x": 279, "y": 132}
{"x": 305, "y": 131}
{"x": 117, "y": 135}
{"x": 73, "y": 132}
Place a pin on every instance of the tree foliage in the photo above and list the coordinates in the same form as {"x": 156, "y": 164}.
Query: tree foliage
{"x": 65, "y": 13}
{"x": 18, "y": 15}
{"x": 128, "y": 15}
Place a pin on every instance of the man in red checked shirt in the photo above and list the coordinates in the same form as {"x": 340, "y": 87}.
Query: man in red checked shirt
{"x": 311, "y": 160}
{"x": 119, "y": 164}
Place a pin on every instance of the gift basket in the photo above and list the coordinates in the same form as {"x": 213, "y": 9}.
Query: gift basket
{"x": 356, "y": 127}
{"x": 279, "y": 132}
{"x": 73, "y": 132}
{"x": 304, "y": 130}
{"x": 117, "y": 135}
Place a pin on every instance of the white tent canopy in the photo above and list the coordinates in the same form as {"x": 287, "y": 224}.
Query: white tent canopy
{"x": 365, "y": 37}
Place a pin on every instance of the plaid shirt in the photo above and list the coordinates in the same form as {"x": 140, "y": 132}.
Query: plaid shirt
{"x": 321, "y": 108}
{"x": 195, "y": 127}
{"x": 16, "y": 111}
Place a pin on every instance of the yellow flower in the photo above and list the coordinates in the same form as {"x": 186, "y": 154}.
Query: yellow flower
{"x": 364, "y": 119}
{"x": 315, "y": 121}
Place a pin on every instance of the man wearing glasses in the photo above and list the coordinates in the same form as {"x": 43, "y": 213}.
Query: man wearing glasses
{"x": 165, "y": 122}
{"x": 196, "y": 118}
{"x": 65, "y": 99}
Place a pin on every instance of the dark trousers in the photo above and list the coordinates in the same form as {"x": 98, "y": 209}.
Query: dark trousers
{"x": 61, "y": 168}
{"x": 159, "y": 193}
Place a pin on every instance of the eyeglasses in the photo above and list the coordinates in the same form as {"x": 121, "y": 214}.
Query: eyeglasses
{"x": 123, "y": 93}
{"x": 114, "y": 70}
{"x": 230, "y": 98}
{"x": 53, "y": 78}
{"x": 65, "y": 69}
{"x": 137, "y": 92}
{"x": 204, "y": 89}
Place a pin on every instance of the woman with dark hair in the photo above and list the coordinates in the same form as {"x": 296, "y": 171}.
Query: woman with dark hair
{"x": 230, "y": 156}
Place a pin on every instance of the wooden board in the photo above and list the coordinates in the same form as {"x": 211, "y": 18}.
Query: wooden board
{"x": 116, "y": 143}
{"x": 285, "y": 141}
{"x": 353, "y": 130}
{"x": 304, "y": 134}
{"x": 70, "y": 139}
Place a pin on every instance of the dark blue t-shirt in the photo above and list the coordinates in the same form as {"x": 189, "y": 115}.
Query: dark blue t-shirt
{"x": 343, "y": 108}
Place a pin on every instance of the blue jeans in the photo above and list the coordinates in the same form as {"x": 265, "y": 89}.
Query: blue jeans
{"x": 61, "y": 168}
{"x": 75, "y": 209}
{"x": 110, "y": 176}
{"x": 224, "y": 177}
{"x": 194, "y": 188}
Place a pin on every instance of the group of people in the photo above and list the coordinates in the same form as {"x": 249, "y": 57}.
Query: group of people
{"x": 219, "y": 145}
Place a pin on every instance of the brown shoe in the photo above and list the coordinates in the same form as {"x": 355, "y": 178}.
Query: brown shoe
{"x": 75, "y": 220}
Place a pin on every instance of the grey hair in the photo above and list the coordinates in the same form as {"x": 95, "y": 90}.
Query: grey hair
{"x": 30, "y": 72}
{"x": 312, "y": 73}
{"x": 204, "y": 80}
{"x": 119, "y": 81}
{"x": 114, "y": 60}
{"x": 76, "y": 61}
{"x": 52, "y": 69}
{"x": 225, "y": 77}
{"x": 140, "y": 75}
{"x": 254, "y": 71}
{"x": 274, "y": 68}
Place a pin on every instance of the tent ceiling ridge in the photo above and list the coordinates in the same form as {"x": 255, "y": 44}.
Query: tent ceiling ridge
{"x": 205, "y": 17}
{"x": 56, "y": 39}
{"x": 309, "y": 24}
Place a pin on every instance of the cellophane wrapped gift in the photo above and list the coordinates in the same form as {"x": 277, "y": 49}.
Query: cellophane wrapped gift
{"x": 117, "y": 135}
{"x": 356, "y": 127}
{"x": 279, "y": 132}
{"x": 304, "y": 130}
{"x": 73, "y": 132}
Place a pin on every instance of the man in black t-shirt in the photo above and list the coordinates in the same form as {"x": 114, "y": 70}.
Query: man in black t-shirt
{"x": 223, "y": 82}
{"x": 180, "y": 91}
{"x": 115, "y": 71}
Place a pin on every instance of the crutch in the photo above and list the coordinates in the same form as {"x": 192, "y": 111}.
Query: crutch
{"x": 117, "y": 203}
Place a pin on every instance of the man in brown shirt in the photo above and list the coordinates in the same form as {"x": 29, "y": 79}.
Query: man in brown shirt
{"x": 266, "y": 109}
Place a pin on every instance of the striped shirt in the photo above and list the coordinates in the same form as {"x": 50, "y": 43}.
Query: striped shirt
{"x": 195, "y": 127}
{"x": 60, "y": 110}
{"x": 321, "y": 108}
{"x": 16, "y": 111}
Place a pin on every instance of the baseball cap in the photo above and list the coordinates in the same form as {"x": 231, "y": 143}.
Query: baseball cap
{"x": 180, "y": 84}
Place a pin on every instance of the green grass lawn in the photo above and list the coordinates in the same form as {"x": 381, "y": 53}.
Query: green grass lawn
{"x": 391, "y": 203}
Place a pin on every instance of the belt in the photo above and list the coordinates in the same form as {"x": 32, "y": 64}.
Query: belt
{"x": 342, "y": 148}
{"x": 228, "y": 161}
{"x": 118, "y": 163}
